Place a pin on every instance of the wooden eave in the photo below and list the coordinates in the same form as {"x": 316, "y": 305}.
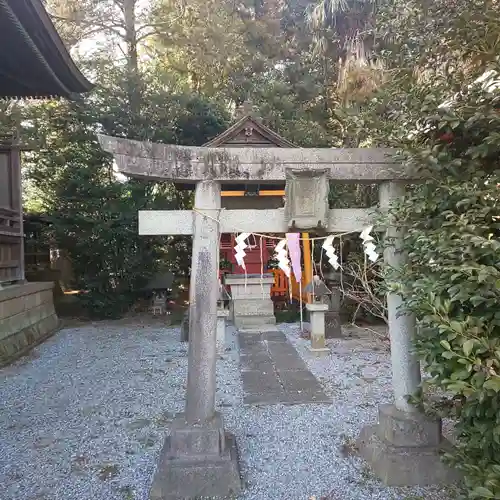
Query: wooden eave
{"x": 34, "y": 63}
{"x": 248, "y": 120}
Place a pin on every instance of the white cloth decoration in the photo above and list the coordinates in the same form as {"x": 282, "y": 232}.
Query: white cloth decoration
{"x": 239, "y": 249}
{"x": 368, "y": 246}
{"x": 330, "y": 252}
{"x": 282, "y": 257}
{"x": 365, "y": 234}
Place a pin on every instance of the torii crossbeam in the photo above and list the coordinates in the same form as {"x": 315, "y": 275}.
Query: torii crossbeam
{"x": 233, "y": 165}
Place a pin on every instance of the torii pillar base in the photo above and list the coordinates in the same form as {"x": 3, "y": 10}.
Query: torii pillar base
{"x": 404, "y": 449}
{"x": 197, "y": 462}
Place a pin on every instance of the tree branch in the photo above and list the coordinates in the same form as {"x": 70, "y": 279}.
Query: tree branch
{"x": 93, "y": 24}
{"x": 155, "y": 27}
{"x": 120, "y": 5}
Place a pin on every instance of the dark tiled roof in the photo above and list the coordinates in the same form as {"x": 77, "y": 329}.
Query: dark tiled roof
{"x": 34, "y": 62}
{"x": 260, "y": 128}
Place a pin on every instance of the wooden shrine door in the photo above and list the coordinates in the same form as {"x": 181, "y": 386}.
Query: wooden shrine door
{"x": 256, "y": 259}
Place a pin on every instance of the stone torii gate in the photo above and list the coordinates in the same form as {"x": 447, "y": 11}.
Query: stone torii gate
{"x": 199, "y": 457}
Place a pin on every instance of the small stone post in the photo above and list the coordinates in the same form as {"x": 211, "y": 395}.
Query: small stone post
{"x": 222, "y": 314}
{"x": 403, "y": 448}
{"x": 185, "y": 327}
{"x": 199, "y": 458}
{"x": 333, "y": 326}
{"x": 317, "y": 314}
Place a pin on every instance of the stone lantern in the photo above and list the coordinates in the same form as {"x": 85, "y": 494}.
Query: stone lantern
{"x": 318, "y": 290}
{"x": 317, "y": 310}
{"x": 161, "y": 287}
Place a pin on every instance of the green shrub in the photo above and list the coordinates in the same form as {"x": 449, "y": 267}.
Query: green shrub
{"x": 452, "y": 280}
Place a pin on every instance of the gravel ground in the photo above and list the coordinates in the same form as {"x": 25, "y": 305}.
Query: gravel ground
{"x": 85, "y": 415}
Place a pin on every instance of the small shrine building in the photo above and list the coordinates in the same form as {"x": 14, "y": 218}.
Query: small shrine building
{"x": 34, "y": 64}
{"x": 250, "y": 132}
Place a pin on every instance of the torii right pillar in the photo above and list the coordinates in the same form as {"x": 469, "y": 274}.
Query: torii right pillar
{"x": 404, "y": 447}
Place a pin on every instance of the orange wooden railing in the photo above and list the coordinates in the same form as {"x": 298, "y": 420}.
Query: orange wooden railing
{"x": 280, "y": 287}
{"x": 296, "y": 289}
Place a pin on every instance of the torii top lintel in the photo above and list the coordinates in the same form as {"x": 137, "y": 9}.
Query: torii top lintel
{"x": 232, "y": 165}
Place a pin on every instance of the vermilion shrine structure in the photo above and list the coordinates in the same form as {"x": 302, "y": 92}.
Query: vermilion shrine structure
{"x": 33, "y": 64}
{"x": 199, "y": 457}
{"x": 250, "y": 132}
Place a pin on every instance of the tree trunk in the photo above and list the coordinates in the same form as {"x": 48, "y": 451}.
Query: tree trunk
{"x": 134, "y": 83}
{"x": 259, "y": 9}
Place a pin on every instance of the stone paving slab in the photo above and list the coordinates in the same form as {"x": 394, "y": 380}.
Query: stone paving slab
{"x": 261, "y": 380}
{"x": 274, "y": 336}
{"x": 252, "y": 364}
{"x": 248, "y": 340}
{"x": 281, "y": 348}
{"x": 299, "y": 380}
{"x": 272, "y": 372}
{"x": 267, "y": 398}
{"x": 289, "y": 361}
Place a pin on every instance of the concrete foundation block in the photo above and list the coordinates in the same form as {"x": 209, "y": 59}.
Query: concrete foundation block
{"x": 197, "y": 463}
{"x": 27, "y": 318}
{"x": 214, "y": 477}
{"x": 251, "y": 304}
{"x": 196, "y": 440}
{"x": 254, "y": 322}
{"x": 258, "y": 329}
{"x": 408, "y": 429}
{"x": 406, "y": 451}
{"x": 320, "y": 353}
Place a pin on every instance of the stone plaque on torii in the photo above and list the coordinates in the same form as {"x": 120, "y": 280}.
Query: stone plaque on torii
{"x": 199, "y": 458}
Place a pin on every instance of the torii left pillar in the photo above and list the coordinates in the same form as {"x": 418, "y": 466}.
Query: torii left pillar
{"x": 199, "y": 458}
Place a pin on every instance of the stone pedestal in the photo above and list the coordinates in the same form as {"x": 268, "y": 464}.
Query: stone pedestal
{"x": 251, "y": 306}
{"x": 197, "y": 461}
{"x": 317, "y": 319}
{"x": 222, "y": 315}
{"x": 333, "y": 326}
{"x": 404, "y": 449}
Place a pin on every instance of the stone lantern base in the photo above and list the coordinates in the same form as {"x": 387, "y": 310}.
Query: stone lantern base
{"x": 317, "y": 318}
{"x": 404, "y": 449}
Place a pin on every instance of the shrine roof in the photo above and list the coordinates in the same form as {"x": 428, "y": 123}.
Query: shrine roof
{"x": 248, "y": 131}
{"x": 34, "y": 63}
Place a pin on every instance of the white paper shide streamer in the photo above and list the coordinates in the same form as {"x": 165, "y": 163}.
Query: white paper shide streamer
{"x": 239, "y": 249}
{"x": 282, "y": 257}
{"x": 368, "y": 246}
{"x": 333, "y": 258}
